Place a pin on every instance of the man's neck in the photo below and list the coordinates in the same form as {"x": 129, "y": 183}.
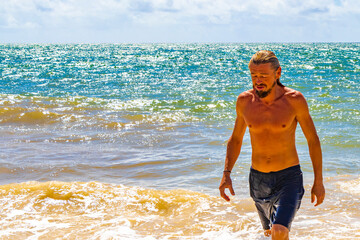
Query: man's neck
{"x": 274, "y": 95}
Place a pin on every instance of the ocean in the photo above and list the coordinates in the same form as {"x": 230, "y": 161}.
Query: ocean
{"x": 128, "y": 141}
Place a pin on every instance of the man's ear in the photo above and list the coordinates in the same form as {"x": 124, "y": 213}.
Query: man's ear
{"x": 278, "y": 73}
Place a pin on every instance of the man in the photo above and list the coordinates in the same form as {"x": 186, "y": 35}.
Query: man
{"x": 271, "y": 111}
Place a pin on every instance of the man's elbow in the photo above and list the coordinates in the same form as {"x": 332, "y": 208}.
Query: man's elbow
{"x": 313, "y": 140}
{"x": 234, "y": 141}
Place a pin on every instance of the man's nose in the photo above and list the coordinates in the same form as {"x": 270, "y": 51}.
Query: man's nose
{"x": 257, "y": 80}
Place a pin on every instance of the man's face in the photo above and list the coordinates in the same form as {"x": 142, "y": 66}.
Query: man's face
{"x": 263, "y": 78}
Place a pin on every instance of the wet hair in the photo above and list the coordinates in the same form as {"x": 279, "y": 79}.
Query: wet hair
{"x": 265, "y": 56}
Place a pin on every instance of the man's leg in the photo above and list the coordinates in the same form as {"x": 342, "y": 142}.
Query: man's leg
{"x": 263, "y": 211}
{"x": 279, "y": 232}
{"x": 289, "y": 201}
{"x": 259, "y": 191}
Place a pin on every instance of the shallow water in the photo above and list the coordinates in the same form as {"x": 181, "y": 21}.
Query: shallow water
{"x": 94, "y": 210}
{"x": 128, "y": 141}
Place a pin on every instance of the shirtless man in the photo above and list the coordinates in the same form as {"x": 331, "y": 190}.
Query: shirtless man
{"x": 271, "y": 111}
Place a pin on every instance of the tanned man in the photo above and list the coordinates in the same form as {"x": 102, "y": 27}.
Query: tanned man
{"x": 271, "y": 111}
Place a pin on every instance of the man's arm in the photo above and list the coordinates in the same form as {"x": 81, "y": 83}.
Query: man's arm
{"x": 308, "y": 128}
{"x": 233, "y": 150}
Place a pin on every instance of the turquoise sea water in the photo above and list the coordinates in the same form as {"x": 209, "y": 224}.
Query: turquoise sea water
{"x": 158, "y": 116}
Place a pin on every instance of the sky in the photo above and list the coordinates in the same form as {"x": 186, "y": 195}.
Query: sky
{"x": 179, "y": 21}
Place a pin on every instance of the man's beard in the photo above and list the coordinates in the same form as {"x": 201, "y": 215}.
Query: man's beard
{"x": 262, "y": 94}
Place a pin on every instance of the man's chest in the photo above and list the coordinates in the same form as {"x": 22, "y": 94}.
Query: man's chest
{"x": 278, "y": 116}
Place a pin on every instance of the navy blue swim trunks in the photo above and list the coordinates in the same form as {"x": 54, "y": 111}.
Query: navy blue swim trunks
{"x": 277, "y": 195}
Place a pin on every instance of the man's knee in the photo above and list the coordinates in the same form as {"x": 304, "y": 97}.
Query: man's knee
{"x": 279, "y": 232}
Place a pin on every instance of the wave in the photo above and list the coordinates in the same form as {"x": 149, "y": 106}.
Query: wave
{"x": 86, "y": 116}
{"x": 94, "y": 210}
{"x": 115, "y": 113}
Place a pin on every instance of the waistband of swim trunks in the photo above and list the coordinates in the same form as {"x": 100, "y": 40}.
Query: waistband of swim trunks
{"x": 286, "y": 170}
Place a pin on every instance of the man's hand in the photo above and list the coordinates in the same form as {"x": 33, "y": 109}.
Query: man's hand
{"x": 226, "y": 183}
{"x": 317, "y": 191}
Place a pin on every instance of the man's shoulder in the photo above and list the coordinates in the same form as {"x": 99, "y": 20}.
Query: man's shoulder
{"x": 293, "y": 95}
{"x": 246, "y": 95}
{"x": 244, "y": 99}
{"x": 295, "y": 98}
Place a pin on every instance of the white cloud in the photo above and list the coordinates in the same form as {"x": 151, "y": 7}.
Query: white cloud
{"x": 215, "y": 11}
{"x": 135, "y": 15}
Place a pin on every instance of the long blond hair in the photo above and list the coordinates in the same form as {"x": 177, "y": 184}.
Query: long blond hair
{"x": 265, "y": 56}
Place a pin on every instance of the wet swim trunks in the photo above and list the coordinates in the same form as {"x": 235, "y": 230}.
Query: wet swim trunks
{"x": 277, "y": 195}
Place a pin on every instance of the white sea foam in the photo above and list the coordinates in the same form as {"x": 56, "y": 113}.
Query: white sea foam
{"x": 95, "y": 210}
{"x": 351, "y": 187}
